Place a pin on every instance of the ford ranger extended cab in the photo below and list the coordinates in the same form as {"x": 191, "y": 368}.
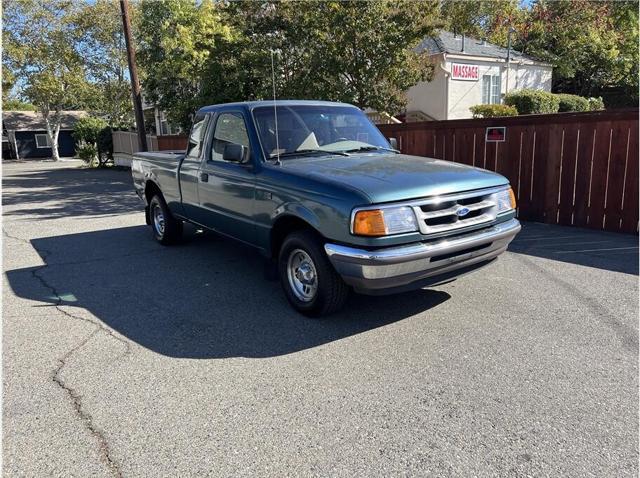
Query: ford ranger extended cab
{"x": 316, "y": 187}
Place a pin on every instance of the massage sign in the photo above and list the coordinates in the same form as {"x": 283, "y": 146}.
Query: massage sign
{"x": 464, "y": 72}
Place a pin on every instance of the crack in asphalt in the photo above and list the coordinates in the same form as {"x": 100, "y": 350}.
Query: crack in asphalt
{"x": 76, "y": 398}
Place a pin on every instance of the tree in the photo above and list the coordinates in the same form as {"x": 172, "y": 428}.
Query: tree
{"x": 176, "y": 39}
{"x": 99, "y": 36}
{"x": 358, "y": 52}
{"x": 39, "y": 49}
{"x": 593, "y": 45}
{"x": 484, "y": 19}
{"x": 14, "y": 104}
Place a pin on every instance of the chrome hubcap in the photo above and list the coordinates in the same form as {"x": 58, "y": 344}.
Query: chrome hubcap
{"x": 302, "y": 276}
{"x": 158, "y": 219}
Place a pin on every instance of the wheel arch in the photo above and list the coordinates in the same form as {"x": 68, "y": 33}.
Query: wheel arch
{"x": 284, "y": 225}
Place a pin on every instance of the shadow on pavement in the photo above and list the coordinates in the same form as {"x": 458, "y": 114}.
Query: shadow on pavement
{"x": 204, "y": 299}
{"x": 68, "y": 192}
{"x": 604, "y": 250}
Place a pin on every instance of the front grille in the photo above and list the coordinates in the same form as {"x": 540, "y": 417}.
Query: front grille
{"x": 442, "y": 214}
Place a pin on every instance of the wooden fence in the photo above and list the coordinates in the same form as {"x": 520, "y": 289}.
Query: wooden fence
{"x": 576, "y": 169}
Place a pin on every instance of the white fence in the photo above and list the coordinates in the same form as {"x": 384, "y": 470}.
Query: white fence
{"x": 125, "y": 144}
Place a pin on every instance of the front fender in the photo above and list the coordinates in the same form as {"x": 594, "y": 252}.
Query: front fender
{"x": 298, "y": 211}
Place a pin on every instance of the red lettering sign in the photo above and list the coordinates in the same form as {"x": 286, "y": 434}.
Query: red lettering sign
{"x": 465, "y": 72}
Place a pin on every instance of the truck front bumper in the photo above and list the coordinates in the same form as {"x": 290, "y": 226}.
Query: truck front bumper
{"x": 413, "y": 266}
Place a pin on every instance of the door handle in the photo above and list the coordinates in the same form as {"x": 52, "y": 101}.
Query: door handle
{"x": 204, "y": 177}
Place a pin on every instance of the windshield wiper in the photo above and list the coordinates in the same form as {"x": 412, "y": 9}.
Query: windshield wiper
{"x": 302, "y": 152}
{"x": 370, "y": 148}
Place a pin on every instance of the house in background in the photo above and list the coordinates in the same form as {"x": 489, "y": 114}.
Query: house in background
{"x": 470, "y": 72}
{"x": 26, "y": 134}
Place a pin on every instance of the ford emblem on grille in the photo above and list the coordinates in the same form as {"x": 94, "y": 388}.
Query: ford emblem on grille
{"x": 463, "y": 211}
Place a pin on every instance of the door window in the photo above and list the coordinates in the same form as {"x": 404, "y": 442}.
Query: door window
{"x": 230, "y": 128}
{"x": 196, "y": 137}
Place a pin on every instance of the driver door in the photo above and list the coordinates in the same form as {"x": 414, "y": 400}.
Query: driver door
{"x": 226, "y": 189}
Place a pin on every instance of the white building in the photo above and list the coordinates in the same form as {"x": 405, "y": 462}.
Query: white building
{"x": 470, "y": 72}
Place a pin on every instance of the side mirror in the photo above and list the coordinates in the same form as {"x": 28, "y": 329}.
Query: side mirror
{"x": 393, "y": 142}
{"x": 235, "y": 152}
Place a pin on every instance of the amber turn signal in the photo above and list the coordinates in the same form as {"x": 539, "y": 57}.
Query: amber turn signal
{"x": 369, "y": 223}
{"x": 512, "y": 197}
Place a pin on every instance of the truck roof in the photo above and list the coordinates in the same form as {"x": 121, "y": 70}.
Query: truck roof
{"x": 254, "y": 104}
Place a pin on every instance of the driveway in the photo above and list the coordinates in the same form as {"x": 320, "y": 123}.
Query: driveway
{"x": 125, "y": 358}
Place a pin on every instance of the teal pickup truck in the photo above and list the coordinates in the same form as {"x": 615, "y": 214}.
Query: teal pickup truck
{"x": 316, "y": 187}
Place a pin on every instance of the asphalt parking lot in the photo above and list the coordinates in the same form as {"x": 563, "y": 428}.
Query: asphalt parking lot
{"x": 125, "y": 358}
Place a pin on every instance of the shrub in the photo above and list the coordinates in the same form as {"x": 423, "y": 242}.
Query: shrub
{"x": 595, "y": 104}
{"x": 88, "y": 152}
{"x": 493, "y": 111}
{"x": 105, "y": 145}
{"x": 529, "y": 102}
{"x": 88, "y": 128}
{"x": 572, "y": 103}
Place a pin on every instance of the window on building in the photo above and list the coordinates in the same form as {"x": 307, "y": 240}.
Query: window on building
{"x": 42, "y": 141}
{"x": 491, "y": 89}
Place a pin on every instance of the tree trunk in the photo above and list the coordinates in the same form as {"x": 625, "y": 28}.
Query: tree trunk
{"x": 53, "y": 129}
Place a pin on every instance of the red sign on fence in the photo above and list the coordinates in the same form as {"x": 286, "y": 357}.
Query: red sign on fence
{"x": 496, "y": 134}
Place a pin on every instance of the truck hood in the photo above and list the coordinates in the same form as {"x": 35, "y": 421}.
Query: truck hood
{"x": 394, "y": 177}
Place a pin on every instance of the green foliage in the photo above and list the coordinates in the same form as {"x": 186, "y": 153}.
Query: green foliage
{"x": 105, "y": 144}
{"x": 596, "y": 104}
{"x": 177, "y": 42}
{"x": 99, "y": 36}
{"x": 12, "y": 104}
{"x": 88, "y": 152}
{"x": 572, "y": 103}
{"x": 94, "y": 132}
{"x": 38, "y": 40}
{"x": 488, "y": 19}
{"x": 493, "y": 111}
{"x": 359, "y": 52}
{"x": 87, "y": 129}
{"x": 593, "y": 45}
{"x": 532, "y": 102}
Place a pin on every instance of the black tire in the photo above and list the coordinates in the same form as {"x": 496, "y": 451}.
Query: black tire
{"x": 171, "y": 233}
{"x": 331, "y": 292}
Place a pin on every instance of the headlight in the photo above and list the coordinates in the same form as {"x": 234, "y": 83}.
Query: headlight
{"x": 505, "y": 200}
{"x": 385, "y": 221}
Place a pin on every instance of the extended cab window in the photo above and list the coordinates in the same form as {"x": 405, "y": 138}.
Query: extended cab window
{"x": 230, "y": 128}
{"x": 196, "y": 137}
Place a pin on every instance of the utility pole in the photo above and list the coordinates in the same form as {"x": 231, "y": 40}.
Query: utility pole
{"x": 509, "y": 32}
{"x": 133, "y": 73}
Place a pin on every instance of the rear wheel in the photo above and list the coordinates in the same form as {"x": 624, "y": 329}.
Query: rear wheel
{"x": 166, "y": 228}
{"x": 310, "y": 283}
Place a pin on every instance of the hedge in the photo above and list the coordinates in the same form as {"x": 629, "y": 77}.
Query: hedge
{"x": 493, "y": 111}
{"x": 596, "y": 104}
{"x": 572, "y": 103}
{"x": 529, "y": 102}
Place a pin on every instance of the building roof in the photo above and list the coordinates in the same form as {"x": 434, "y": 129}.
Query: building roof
{"x": 447, "y": 42}
{"x": 33, "y": 120}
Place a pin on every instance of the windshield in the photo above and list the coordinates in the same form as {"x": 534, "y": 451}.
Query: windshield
{"x": 309, "y": 128}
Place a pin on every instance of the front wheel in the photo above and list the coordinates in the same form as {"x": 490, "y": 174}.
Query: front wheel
{"x": 166, "y": 228}
{"x": 310, "y": 283}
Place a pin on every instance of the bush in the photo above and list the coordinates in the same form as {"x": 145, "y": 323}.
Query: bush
{"x": 493, "y": 111}
{"x": 88, "y": 152}
{"x": 88, "y": 128}
{"x": 572, "y": 103}
{"x": 596, "y": 104}
{"x": 105, "y": 145}
{"x": 529, "y": 102}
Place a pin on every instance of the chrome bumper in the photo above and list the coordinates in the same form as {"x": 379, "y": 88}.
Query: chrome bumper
{"x": 400, "y": 268}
